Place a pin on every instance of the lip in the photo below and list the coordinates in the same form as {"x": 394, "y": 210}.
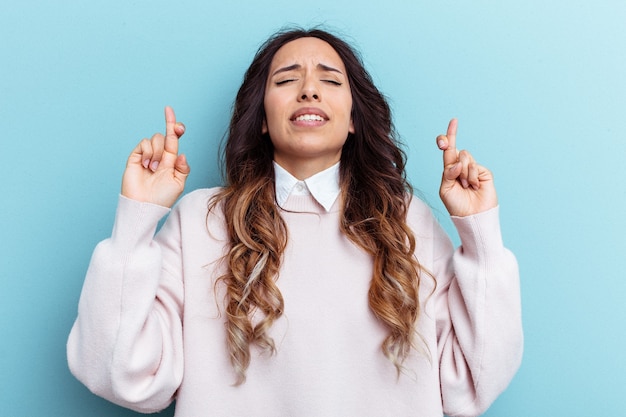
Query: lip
{"x": 309, "y": 110}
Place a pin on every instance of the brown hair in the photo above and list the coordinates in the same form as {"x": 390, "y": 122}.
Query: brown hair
{"x": 375, "y": 195}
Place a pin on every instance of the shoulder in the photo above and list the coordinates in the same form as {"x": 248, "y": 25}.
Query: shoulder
{"x": 423, "y": 219}
{"x": 195, "y": 204}
{"x": 191, "y": 213}
{"x": 197, "y": 198}
{"x": 418, "y": 209}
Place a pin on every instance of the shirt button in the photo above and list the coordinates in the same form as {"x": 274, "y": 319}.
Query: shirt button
{"x": 300, "y": 187}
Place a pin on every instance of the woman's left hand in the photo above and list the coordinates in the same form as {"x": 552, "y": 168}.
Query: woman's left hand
{"x": 466, "y": 187}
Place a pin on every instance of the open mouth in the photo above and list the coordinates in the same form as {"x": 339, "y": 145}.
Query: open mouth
{"x": 309, "y": 118}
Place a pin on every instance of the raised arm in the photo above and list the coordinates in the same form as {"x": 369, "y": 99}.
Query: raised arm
{"x": 126, "y": 343}
{"x": 479, "y": 311}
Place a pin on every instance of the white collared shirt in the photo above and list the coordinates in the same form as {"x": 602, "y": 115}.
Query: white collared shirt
{"x": 323, "y": 186}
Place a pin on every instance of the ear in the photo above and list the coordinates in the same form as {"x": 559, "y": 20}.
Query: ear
{"x": 264, "y": 127}
{"x": 351, "y": 127}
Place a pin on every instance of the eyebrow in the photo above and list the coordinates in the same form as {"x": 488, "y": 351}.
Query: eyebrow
{"x": 293, "y": 67}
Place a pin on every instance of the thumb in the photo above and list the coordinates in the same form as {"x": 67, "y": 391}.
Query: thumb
{"x": 452, "y": 172}
{"x": 181, "y": 167}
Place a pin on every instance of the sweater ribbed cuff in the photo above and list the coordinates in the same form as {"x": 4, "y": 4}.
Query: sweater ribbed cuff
{"x": 480, "y": 232}
{"x": 136, "y": 221}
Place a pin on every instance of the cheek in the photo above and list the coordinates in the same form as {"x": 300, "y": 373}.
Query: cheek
{"x": 269, "y": 123}
{"x": 272, "y": 107}
{"x": 267, "y": 107}
{"x": 349, "y": 115}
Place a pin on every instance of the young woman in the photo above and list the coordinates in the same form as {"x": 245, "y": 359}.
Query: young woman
{"x": 312, "y": 283}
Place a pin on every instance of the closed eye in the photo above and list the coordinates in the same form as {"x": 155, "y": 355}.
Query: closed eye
{"x": 282, "y": 82}
{"x": 334, "y": 82}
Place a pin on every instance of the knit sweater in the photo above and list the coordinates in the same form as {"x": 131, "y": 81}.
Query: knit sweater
{"x": 150, "y": 326}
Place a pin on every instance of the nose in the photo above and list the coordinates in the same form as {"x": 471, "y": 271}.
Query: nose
{"x": 310, "y": 90}
{"x": 307, "y": 97}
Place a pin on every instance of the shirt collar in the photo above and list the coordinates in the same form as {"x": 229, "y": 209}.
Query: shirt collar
{"x": 323, "y": 186}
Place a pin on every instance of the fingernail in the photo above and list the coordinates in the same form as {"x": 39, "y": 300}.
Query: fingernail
{"x": 464, "y": 183}
{"x": 441, "y": 143}
{"x": 154, "y": 165}
{"x": 146, "y": 162}
{"x": 453, "y": 167}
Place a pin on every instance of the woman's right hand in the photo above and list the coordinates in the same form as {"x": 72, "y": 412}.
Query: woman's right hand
{"x": 155, "y": 173}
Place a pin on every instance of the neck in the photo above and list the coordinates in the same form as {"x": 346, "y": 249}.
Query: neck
{"x": 303, "y": 169}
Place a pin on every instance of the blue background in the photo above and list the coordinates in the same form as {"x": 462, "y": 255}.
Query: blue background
{"x": 538, "y": 86}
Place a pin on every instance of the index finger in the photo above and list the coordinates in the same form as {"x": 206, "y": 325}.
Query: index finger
{"x": 450, "y": 154}
{"x": 171, "y": 138}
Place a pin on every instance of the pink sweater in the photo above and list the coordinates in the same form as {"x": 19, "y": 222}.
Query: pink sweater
{"x": 149, "y": 328}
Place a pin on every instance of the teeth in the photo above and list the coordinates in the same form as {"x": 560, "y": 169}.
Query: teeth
{"x": 310, "y": 117}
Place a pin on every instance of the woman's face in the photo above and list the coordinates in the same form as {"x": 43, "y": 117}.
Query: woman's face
{"x": 308, "y": 106}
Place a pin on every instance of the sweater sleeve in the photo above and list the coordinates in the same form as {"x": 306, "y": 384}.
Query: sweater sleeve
{"x": 126, "y": 343}
{"x": 479, "y": 325}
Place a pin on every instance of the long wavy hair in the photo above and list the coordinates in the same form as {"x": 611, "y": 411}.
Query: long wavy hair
{"x": 375, "y": 196}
